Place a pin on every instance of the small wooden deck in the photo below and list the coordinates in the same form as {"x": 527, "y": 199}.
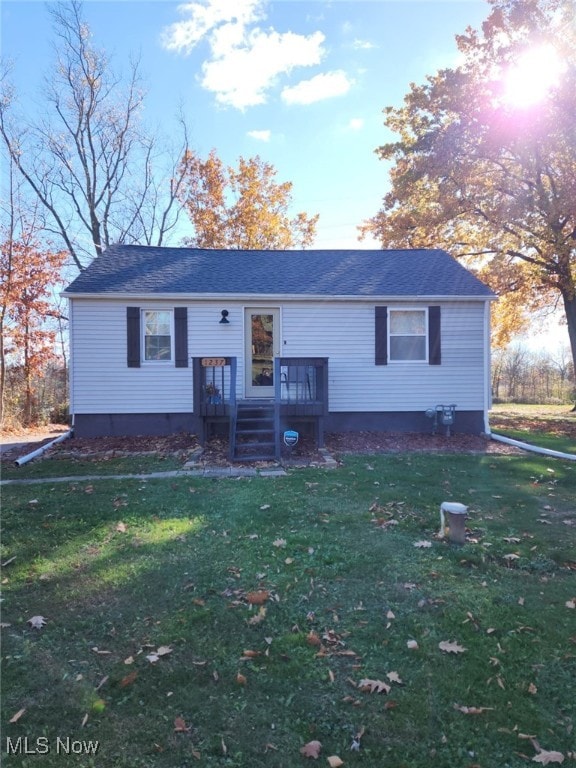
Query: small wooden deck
{"x": 256, "y": 426}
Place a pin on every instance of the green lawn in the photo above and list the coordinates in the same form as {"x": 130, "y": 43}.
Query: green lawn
{"x": 547, "y": 426}
{"x": 271, "y": 599}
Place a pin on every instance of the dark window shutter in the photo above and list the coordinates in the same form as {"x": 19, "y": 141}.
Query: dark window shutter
{"x": 133, "y": 336}
{"x": 381, "y": 334}
{"x": 181, "y": 337}
{"x": 434, "y": 342}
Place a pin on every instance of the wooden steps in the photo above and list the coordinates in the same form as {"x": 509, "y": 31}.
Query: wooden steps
{"x": 255, "y": 431}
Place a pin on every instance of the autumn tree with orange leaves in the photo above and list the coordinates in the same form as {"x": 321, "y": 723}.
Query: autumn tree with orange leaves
{"x": 241, "y": 208}
{"x": 27, "y": 275}
{"x": 484, "y": 161}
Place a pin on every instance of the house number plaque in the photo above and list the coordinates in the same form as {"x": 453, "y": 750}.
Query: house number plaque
{"x": 213, "y": 362}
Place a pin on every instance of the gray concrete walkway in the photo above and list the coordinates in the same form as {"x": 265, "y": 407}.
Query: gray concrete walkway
{"x": 205, "y": 472}
{"x": 192, "y": 469}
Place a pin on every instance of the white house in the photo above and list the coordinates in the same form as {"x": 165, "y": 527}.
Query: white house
{"x": 176, "y": 339}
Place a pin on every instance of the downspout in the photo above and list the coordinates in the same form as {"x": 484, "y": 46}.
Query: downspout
{"x": 71, "y": 394}
{"x": 488, "y": 367}
{"x": 533, "y": 448}
{"x": 39, "y": 451}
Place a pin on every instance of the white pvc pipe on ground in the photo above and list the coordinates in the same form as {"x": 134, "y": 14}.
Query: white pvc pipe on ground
{"x": 39, "y": 451}
{"x": 533, "y": 448}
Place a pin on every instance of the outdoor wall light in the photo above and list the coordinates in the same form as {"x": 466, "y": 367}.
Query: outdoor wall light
{"x": 224, "y": 319}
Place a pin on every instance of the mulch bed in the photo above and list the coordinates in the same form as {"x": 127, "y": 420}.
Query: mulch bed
{"x": 216, "y": 450}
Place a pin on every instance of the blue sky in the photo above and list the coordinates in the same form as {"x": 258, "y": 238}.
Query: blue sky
{"x": 302, "y": 84}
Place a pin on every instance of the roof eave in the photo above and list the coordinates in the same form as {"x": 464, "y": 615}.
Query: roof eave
{"x": 271, "y": 297}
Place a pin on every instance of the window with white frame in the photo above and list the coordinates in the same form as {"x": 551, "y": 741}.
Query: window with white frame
{"x": 408, "y": 335}
{"x": 157, "y": 329}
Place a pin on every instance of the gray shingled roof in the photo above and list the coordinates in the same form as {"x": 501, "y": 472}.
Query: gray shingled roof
{"x": 146, "y": 270}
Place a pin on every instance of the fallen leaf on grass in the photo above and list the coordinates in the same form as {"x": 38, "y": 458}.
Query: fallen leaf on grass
{"x": 412, "y": 644}
{"x": 241, "y": 679}
{"x": 279, "y": 543}
{"x": 571, "y": 603}
{"x": 248, "y": 654}
{"x": 121, "y": 527}
{"x": 532, "y": 689}
{"x": 472, "y": 710}
{"x": 422, "y": 544}
{"x": 511, "y": 539}
{"x": 199, "y": 601}
{"x": 373, "y": 686}
{"x": 335, "y": 762}
{"x": 394, "y": 677}
{"x": 258, "y": 597}
{"x": 153, "y": 657}
{"x": 37, "y": 622}
{"x": 260, "y": 616}
{"x": 451, "y": 646}
{"x": 180, "y": 726}
{"x": 128, "y": 679}
{"x": 544, "y": 757}
{"x": 312, "y": 749}
{"x": 17, "y": 716}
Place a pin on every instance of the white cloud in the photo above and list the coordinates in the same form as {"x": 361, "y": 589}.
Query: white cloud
{"x": 323, "y": 86}
{"x": 245, "y": 61}
{"x": 364, "y": 45}
{"x": 260, "y": 135}
{"x": 206, "y": 16}
{"x": 356, "y": 124}
{"x": 242, "y": 76}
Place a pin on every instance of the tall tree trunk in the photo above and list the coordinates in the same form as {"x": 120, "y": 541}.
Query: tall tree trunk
{"x": 2, "y": 372}
{"x": 570, "y": 309}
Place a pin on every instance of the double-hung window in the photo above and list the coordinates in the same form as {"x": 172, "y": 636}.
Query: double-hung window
{"x": 408, "y": 335}
{"x": 158, "y": 335}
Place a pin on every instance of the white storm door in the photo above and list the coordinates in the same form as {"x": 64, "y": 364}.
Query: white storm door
{"x": 262, "y": 339}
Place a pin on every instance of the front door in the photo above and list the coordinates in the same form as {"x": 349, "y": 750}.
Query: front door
{"x": 262, "y": 329}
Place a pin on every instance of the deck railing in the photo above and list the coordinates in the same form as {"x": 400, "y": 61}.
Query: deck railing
{"x": 214, "y": 384}
{"x": 300, "y": 390}
{"x": 302, "y": 382}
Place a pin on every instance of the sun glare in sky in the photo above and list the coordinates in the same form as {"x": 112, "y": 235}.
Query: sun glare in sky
{"x": 531, "y": 78}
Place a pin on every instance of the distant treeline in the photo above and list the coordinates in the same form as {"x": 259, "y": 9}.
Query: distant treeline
{"x": 522, "y": 375}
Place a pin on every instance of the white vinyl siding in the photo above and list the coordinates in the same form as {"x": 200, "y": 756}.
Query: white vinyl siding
{"x": 343, "y": 331}
{"x": 102, "y": 380}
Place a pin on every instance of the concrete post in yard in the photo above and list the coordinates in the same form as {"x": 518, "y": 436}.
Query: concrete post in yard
{"x": 453, "y": 516}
